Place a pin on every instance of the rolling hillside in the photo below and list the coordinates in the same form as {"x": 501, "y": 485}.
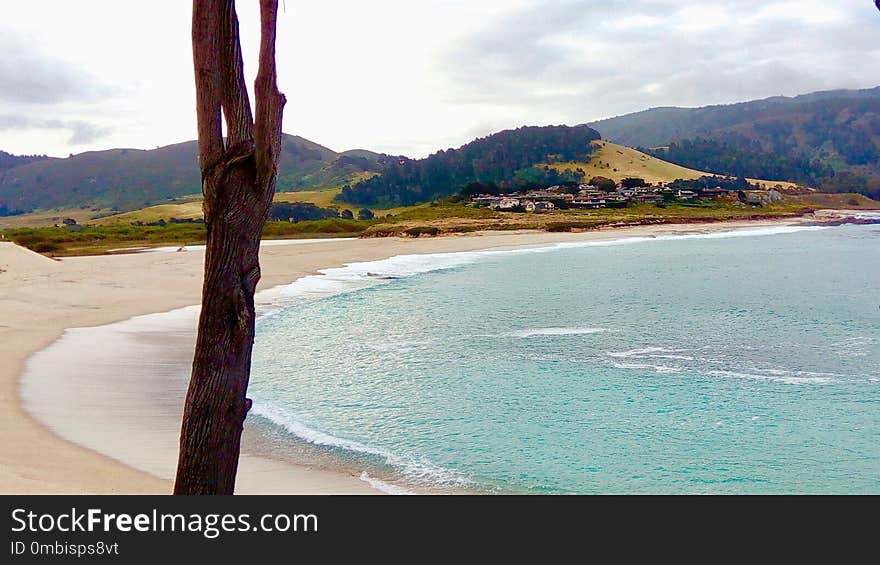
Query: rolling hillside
{"x": 8, "y": 160}
{"x": 609, "y": 160}
{"x": 128, "y": 179}
{"x": 830, "y": 140}
{"x": 827, "y": 139}
{"x": 616, "y": 162}
{"x": 659, "y": 126}
{"x": 192, "y": 208}
{"x": 496, "y": 158}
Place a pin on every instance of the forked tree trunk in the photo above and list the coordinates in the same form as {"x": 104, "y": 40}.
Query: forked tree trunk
{"x": 238, "y": 182}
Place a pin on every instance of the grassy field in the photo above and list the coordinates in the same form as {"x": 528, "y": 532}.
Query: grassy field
{"x": 844, "y": 201}
{"x": 617, "y": 162}
{"x": 117, "y": 238}
{"x": 458, "y": 218}
{"x": 182, "y": 210}
{"x": 115, "y": 233}
{"x": 323, "y": 198}
{"x": 426, "y": 220}
{"x": 192, "y": 208}
{"x": 47, "y": 218}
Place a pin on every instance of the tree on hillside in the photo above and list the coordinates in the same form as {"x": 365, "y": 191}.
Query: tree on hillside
{"x": 632, "y": 182}
{"x": 238, "y": 182}
{"x": 603, "y": 183}
{"x": 494, "y": 159}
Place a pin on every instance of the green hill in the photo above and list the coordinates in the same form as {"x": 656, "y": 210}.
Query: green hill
{"x": 617, "y": 162}
{"x": 606, "y": 159}
{"x": 8, "y": 160}
{"x": 128, "y": 179}
{"x": 827, "y": 139}
{"x": 830, "y": 140}
{"x": 493, "y": 159}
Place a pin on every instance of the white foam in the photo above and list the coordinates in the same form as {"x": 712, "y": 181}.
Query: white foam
{"x": 417, "y": 470}
{"x": 355, "y": 276}
{"x": 746, "y": 232}
{"x": 784, "y": 373}
{"x": 644, "y": 358}
{"x": 864, "y": 215}
{"x": 661, "y": 352}
{"x": 791, "y": 379}
{"x": 673, "y": 357}
{"x": 365, "y": 274}
{"x": 659, "y": 369}
{"x": 387, "y": 488}
{"x": 556, "y": 332}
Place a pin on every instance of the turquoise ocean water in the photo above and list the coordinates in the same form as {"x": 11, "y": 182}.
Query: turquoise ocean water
{"x": 744, "y": 362}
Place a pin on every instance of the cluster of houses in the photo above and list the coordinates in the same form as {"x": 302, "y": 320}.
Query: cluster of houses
{"x": 589, "y": 196}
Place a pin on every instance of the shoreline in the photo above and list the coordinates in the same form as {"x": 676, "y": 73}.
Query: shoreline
{"x": 44, "y": 299}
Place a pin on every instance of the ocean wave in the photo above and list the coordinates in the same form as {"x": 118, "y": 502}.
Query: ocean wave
{"x": 356, "y": 276}
{"x": 673, "y": 357}
{"x": 660, "y": 352}
{"x": 646, "y": 358}
{"x": 792, "y": 378}
{"x": 659, "y": 369}
{"x": 382, "y": 486}
{"x": 785, "y": 373}
{"x": 864, "y": 215}
{"x": 855, "y": 347}
{"x": 535, "y": 332}
{"x": 360, "y": 275}
{"x": 417, "y": 470}
{"x": 745, "y": 232}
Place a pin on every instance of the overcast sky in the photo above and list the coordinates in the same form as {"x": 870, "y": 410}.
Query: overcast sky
{"x": 414, "y": 76}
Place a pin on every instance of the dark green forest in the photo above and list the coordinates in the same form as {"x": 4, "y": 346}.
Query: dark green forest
{"x": 8, "y": 160}
{"x": 737, "y": 155}
{"x": 503, "y": 159}
{"x": 712, "y": 181}
{"x": 300, "y": 212}
{"x": 829, "y": 140}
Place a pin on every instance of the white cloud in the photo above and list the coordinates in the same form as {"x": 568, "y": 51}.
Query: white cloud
{"x": 701, "y": 18}
{"x": 810, "y": 13}
{"x": 410, "y": 77}
{"x": 637, "y": 21}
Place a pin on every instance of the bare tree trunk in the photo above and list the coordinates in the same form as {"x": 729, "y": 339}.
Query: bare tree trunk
{"x": 238, "y": 183}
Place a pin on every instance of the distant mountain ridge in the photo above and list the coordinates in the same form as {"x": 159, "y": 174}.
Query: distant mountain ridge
{"x": 8, "y": 160}
{"x": 661, "y": 125}
{"x": 826, "y": 139}
{"x": 127, "y": 179}
{"x": 830, "y": 138}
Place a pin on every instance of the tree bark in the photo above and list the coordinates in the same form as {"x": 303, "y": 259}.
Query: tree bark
{"x": 238, "y": 183}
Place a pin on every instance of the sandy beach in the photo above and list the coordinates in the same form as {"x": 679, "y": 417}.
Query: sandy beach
{"x": 71, "y": 426}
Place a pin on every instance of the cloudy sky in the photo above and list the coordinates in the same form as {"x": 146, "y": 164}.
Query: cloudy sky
{"x": 413, "y": 76}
